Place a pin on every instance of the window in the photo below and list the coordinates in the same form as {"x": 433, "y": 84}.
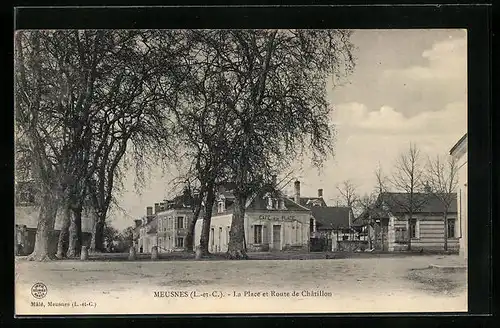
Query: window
{"x": 451, "y": 228}
{"x": 212, "y": 236}
{"x": 220, "y": 207}
{"x": 179, "y": 242}
{"x": 401, "y": 235}
{"x": 413, "y": 228}
{"x": 257, "y": 234}
{"x": 180, "y": 222}
{"x": 311, "y": 225}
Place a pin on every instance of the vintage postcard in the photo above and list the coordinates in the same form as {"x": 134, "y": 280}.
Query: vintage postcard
{"x": 240, "y": 171}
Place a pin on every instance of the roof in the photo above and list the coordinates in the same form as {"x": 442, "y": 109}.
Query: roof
{"x": 329, "y": 217}
{"x": 425, "y": 202}
{"x": 28, "y": 216}
{"x": 259, "y": 202}
{"x": 181, "y": 201}
{"x": 459, "y": 142}
{"x": 308, "y": 201}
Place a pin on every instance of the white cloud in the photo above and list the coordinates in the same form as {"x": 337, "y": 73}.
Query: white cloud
{"x": 386, "y": 120}
{"x": 446, "y": 60}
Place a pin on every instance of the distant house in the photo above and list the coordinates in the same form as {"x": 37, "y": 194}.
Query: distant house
{"x": 459, "y": 152}
{"x": 272, "y": 222}
{"x": 26, "y": 221}
{"x": 333, "y": 223}
{"x": 167, "y": 227}
{"x": 388, "y": 220}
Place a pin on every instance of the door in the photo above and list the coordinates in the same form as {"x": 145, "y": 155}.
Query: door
{"x": 220, "y": 240}
{"x": 385, "y": 235}
{"x": 277, "y": 237}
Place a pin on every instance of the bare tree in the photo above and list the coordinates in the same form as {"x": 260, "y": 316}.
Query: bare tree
{"x": 365, "y": 206}
{"x": 408, "y": 179}
{"x": 442, "y": 178}
{"x": 381, "y": 180}
{"x": 348, "y": 193}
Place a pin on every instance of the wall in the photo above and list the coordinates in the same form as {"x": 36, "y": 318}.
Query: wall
{"x": 294, "y": 231}
{"x": 168, "y": 232}
{"x": 219, "y": 223}
{"x": 429, "y": 231}
{"x": 462, "y": 203}
{"x": 289, "y": 222}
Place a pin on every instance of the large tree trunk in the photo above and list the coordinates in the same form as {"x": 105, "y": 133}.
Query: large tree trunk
{"x": 62, "y": 244}
{"x": 97, "y": 241}
{"x": 236, "y": 248}
{"x": 191, "y": 228}
{"x": 75, "y": 233}
{"x": 207, "y": 219}
{"x": 45, "y": 228}
{"x": 445, "y": 217}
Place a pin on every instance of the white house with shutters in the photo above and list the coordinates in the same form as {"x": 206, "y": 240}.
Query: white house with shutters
{"x": 167, "y": 227}
{"x": 272, "y": 222}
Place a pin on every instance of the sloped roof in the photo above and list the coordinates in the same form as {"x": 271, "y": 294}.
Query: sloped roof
{"x": 308, "y": 201}
{"x": 181, "y": 201}
{"x": 260, "y": 203}
{"x": 28, "y": 216}
{"x": 459, "y": 142}
{"x": 424, "y": 202}
{"x": 329, "y": 217}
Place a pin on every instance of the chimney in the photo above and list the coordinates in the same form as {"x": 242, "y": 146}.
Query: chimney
{"x": 297, "y": 192}
{"x": 157, "y": 207}
{"x": 149, "y": 211}
{"x": 320, "y": 193}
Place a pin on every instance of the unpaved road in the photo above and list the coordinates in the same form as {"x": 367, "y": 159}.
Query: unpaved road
{"x": 299, "y": 286}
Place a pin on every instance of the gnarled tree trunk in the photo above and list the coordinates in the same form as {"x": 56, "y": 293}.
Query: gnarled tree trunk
{"x": 45, "y": 228}
{"x": 62, "y": 244}
{"x": 75, "y": 233}
{"x": 207, "y": 219}
{"x": 97, "y": 241}
{"x": 237, "y": 248}
{"x": 191, "y": 228}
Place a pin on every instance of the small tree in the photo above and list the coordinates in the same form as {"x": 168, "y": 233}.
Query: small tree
{"x": 442, "y": 178}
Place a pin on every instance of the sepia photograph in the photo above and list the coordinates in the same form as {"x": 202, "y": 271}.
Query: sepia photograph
{"x": 208, "y": 171}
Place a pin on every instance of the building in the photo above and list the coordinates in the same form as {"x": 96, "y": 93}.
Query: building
{"x": 459, "y": 152}
{"x": 272, "y": 222}
{"x": 328, "y": 224}
{"x": 335, "y": 224}
{"x": 26, "y": 221}
{"x": 167, "y": 227}
{"x": 389, "y": 223}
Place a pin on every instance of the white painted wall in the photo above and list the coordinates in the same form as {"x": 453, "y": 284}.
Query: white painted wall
{"x": 294, "y": 230}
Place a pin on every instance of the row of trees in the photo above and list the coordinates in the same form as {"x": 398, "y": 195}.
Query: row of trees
{"x": 417, "y": 178}
{"x": 235, "y": 106}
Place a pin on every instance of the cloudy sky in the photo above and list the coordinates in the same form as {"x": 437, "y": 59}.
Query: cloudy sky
{"x": 408, "y": 86}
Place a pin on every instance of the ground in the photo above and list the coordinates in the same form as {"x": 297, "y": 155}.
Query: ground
{"x": 376, "y": 283}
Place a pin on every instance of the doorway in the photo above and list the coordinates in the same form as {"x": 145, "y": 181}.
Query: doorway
{"x": 276, "y": 237}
